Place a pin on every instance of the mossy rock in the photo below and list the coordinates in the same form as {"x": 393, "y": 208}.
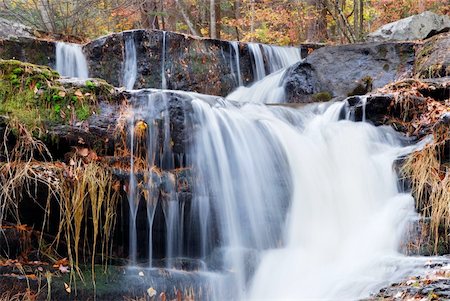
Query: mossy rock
{"x": 322, "y": 96}
{"x": 433, "y": 58}
{"x": 35, "y": 95}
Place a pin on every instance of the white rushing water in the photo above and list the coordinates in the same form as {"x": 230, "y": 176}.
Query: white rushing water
{"x": 314, "y": 196}
{"x": 130, "y": 63}
{"x": 235, "y": 63}
{"x": 287, "y": 204}
{"x": 163, "y": 62}
{"x": 70, "y": 60}
{"x": 267, "y": 89}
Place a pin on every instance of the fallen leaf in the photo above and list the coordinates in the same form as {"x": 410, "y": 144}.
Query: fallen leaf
{"x": 67, "y": 288}
{"x": 83, "y": 152}
{"x": 63, "y": 269}
{"x": 151, "y": 292}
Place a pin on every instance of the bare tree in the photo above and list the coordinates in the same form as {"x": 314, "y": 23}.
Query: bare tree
{"x": 317, "y": 25}
{"x": 187, "y": 18}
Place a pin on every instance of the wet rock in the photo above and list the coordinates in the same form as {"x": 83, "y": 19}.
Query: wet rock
{"x": 415, "y": 27}
{"x": 191, "y": 64}
{"x": 433, "y": 57}
{"x": 437, "y": 88}
{"x": 31, "y": 50}
{"x": 373, "y": 108}
{"x": 345, "y": 70}
{"x": 116, "y": 283}
{"x": 429, "y": 281}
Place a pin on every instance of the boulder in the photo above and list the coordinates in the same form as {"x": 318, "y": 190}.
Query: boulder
{"x": 190, "y": 63}
{"x": 415, "y": 27}
{"x": 433, "y": 57}
{"x": 30, "y": 50}
{"x": 10, "y": 29}
{"x": 345, "y": 70}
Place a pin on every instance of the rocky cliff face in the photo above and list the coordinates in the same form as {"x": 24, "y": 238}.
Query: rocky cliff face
{"x": 31, "y": 50}
{"x": 190, "y": 64}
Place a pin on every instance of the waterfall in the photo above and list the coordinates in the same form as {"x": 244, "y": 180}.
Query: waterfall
{"x": 258, "y": 67}
{"x": 287, "y": 204}
{"x": 267, "y": 89}
{"x": 130, "y": 63}
{"x": 235, "y": 66}
{"x": 281, "y": 57}
{"x": 163, "y": 62}
{"x": 70, "y": 60}
{"x": 313, "y": 197}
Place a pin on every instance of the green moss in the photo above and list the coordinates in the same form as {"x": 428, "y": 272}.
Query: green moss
{"x": 18, "y": 71}
{"x": 82, "y": 112}
{"x": 364, "y": 86}
{"x": 90, "y": 85}
{"x": 33, "y": 95}
{"x": 383, "y": 51}
{"x": 322, "y": 96}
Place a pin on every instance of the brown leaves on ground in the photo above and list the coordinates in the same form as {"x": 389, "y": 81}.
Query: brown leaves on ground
{"x": 412, "y": 109}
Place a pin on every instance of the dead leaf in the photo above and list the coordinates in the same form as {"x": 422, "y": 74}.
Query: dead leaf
{"x": 67, "y": 288}
{"x": 83, "y": 152}
{"x": 63, "y": 269}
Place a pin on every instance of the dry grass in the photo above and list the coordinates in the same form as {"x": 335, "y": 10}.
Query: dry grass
{"x": 430, "y": 181}
{"x": 82, "y": 190}
{"x": 89, "y": 188}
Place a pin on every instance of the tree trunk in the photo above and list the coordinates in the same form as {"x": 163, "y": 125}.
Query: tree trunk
{"x": 44, "y": 11}
{"x": 361, "y": 19}
{"x": 218, "y": 19}
{"x": 317, "y": 27}
{"x": 252, "y": 24}
{"x": 186, "y": 18}
{"x": 212, "y": 19}
{"x": 149, "y": 17}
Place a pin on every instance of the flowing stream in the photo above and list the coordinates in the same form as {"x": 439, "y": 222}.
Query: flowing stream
{"x": 130, "y": 63}
{"x": 287, "y": 204}
{"x": 70, "y": 60}
{"x": 268, "y": 86}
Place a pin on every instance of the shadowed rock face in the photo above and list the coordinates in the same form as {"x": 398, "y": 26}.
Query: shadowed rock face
{"x": 31, "y": 50}
{"x": 341, "y": 71}
{"x": 433, "y": 57}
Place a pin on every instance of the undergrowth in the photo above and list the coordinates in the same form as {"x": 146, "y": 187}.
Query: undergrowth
{"x": 428, "y": 169}
{"x": 86, "y": 193}
{"x": 34, "y": 96}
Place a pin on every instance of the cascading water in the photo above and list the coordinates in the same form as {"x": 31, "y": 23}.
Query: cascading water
{"x": 70, "y": 60}
{"x": 259, "y": 71}
{"x": 286, "y": 204}
{"x": 280, "y": 57}
{"x": 163, "y": 62}
{"x": 267, "y": 89}
{"x": 235, "y": 64}
{"x": 130, "y": 62}
{"x": 346, "y": 215}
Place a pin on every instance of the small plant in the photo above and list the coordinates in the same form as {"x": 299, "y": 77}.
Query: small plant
{"x": 18, "y": 71}
{"x": 90, "y": 85}
{"x": 82, "y": 112}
